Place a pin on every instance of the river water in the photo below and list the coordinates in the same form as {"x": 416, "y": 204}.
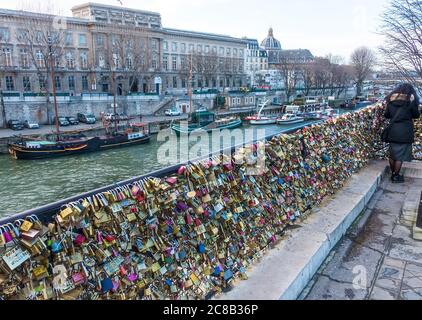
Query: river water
{"x": 29, "y": 184}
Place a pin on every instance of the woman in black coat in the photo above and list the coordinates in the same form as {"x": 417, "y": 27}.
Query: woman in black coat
{"x": 401, "y": 135}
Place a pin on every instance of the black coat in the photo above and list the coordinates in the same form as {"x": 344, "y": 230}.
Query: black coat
{"x": 402, "y": 130}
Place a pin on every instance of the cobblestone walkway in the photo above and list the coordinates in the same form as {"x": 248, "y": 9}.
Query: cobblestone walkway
{"x": 378, "y": 258}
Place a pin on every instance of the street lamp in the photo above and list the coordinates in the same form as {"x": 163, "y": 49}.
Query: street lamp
{"x": 53, "y": 82}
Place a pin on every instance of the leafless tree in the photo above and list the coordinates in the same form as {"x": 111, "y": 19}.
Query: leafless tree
{"x": 308, "y": 78}
{"x": 290, "y": 74}
{"x": 402, "y": 49}
{"x": 43, "y": 39}
{"x": 363, "y": 60}
{"x": 2, "y": 74}
{"x": 128, "y": 59}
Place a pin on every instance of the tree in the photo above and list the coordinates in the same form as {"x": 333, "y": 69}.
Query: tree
{"x": 2, "y": 73}
{"x": 363, "y": 61}
{"x": 42, "y": 38}
{"x": 290, "y": 74}
{"x": 402, "y": 49}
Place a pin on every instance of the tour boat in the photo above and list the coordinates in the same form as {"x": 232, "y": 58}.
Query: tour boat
{"x": 205, "y": 121}
{"x": 39, "y": 149}
{"x": 290, "y": 119}
{"x": 263, "y": 121}
{"x": 260, "y": 120}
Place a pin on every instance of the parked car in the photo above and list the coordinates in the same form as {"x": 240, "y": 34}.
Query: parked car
{"x": 62, "y": 121}
{"x": 86, "y": 118}
{"x": 15, "y": 125}
{"x": 123, "y": 116}
{"x": 31, "y": 124}
{"x": 72, "y": 120}
{"x": 110, "y": 116}
{"x": 172, "y": 112}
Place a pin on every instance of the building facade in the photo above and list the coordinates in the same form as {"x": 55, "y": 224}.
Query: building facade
{"x": 256, "y": 60}
{"x": 102, "y": 49}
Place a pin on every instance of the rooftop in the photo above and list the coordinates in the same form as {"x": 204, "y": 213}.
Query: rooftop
{"x": 105, "y": 6}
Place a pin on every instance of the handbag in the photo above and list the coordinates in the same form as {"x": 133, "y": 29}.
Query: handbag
{"x": 386, "y": 132}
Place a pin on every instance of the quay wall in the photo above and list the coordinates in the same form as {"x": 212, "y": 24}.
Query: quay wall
{"x": 36, "y": 108}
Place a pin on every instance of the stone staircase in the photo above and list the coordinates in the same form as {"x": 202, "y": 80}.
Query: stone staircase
{"x": 163, "y": 105}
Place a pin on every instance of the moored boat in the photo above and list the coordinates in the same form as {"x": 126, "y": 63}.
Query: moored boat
{"x": 263, "y": 121}
{"x": 35, "y": 149}
{"x": 205, "y": 121}
{"x": 290, "y": 119}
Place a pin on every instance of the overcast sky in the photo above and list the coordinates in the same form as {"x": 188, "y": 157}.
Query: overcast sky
{"x": 324, "y": 26}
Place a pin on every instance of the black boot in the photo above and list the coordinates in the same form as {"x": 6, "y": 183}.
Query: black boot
{"x": 397, "y": 178}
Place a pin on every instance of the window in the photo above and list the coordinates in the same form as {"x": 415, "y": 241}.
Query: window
{"x": 57, "y": 62}
{"x": 207, "y": 49}
{"x": 99, "y": 40}
{"x": 154, "y": 63}
{"x": 199, "y": 48}
{"x": 4, "y": 34}
{"x": 41, "y": 81}
{"x": 71, "y": 83}
{"x": 84, "y": 60}
{"x": 84, "y": 83}
{"x": 228, "y": 51}
{"x": 183, "y": 83}
{"x": 7, "y": 57}
{"x": 221, "y": 51}
{"x": 174, "y": 63}
{"x": 154, "y": 44}
{"x": 105, "y": 87}
{"x": 70, "y": 61}
{"x": 175, "y": 82}
{"x": 174, "y": 47}
{"x": 10, "y": 85}
{"x": 183, "y": 62}
{"x": 68, "y": 38}
{"x": 101, "y": 61}
{"x": 58, "y": 83}
{"x": 26, "y": 83}
{"x": 129, "y": 62}
{"x": 191, "y": 48}
{"x": 234, "y": 52}
{"x": 183, "y": 47}
{"x": 82, "y": 39}
{"x": 214, "y": 49}
{"x": 116, "y": 60}
{"x": 241, "y": 53}
{"x": 165, "y": 46}
{"x": 165, "y": 63}
{"x": 24, "y": 58}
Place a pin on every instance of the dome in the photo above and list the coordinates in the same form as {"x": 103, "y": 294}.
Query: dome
{"x": 271, "y": 43}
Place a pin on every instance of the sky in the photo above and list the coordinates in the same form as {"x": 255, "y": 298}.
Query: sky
{"x": 323, "y": 26}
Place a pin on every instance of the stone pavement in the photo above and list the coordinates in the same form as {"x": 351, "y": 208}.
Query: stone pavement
{"x": 378, "y": 258}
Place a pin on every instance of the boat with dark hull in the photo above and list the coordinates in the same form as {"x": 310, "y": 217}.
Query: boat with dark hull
{"x": 38, "y": 149}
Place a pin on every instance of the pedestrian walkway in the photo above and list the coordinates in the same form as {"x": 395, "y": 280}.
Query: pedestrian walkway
{"x": 378, "y": 259}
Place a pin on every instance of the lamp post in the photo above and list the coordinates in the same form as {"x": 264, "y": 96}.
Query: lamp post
{"x": 3, "y": 107}
{"x": 53, "y": 82}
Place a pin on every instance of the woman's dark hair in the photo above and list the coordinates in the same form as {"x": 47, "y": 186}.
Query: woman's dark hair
{"x": 404, "y": 89}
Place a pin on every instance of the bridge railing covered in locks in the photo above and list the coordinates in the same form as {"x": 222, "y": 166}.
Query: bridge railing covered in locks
{"x": 187, "y": 235}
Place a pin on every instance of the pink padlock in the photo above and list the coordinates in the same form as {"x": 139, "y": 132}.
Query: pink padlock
{"x": 181, "y": 170}
{"x": 6, "y": 234}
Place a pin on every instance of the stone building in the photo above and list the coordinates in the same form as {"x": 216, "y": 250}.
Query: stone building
{"x": 256, "y": 60}
{"x": 105, "y": 48}
{"x": 277, "y": 55}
